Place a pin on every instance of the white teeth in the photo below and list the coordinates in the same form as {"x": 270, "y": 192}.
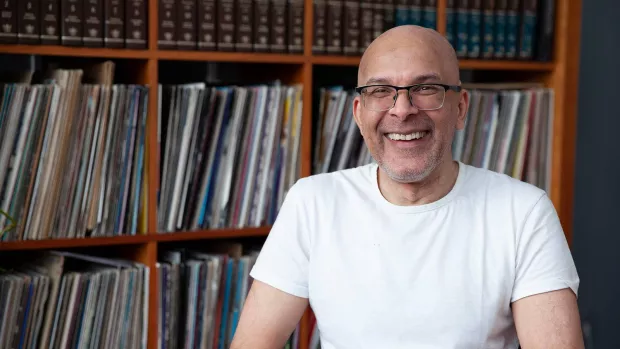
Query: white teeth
{"x": 406, "y": 137}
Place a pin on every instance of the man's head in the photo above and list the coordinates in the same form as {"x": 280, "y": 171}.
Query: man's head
{"x": 407, "y": 142}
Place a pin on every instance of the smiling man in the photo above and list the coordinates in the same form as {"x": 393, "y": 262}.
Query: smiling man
{"x": 417, "y": 250}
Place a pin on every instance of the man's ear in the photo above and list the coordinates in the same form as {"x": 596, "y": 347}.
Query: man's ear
{"x": 357, "y": 105}
{"x": 462, "y": 109}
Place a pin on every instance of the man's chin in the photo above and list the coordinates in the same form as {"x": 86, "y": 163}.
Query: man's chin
{"x": 407, "y": 174}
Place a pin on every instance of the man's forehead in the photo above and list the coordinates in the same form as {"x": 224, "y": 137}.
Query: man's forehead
{"x": 410, "y": 79}
{"x": 408, "y": 53}
{"x": 409, "y": 69}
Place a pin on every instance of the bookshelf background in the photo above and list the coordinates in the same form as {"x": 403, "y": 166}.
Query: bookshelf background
{"x": 308, "y": 69}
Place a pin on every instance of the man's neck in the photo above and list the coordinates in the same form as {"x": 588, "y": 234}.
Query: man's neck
{"x": 437, "y": 185}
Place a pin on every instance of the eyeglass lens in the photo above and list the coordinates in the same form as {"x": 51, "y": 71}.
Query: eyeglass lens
{"x": 426, "y": 97}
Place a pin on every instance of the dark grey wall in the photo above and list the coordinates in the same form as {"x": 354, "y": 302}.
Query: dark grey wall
{"x": 596, "y": 241}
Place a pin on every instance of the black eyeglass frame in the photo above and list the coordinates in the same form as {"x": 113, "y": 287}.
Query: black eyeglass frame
{"x": 446, "y": 87}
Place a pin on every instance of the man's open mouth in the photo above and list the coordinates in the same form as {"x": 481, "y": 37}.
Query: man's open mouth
{"x": 407, "y": 136}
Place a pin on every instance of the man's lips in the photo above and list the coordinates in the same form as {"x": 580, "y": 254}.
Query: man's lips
{"x": 407, "y": 136}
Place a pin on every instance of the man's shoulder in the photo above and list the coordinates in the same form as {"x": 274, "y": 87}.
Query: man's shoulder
{"x": 497, "y": 186}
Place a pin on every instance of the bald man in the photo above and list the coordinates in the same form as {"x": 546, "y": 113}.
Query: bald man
{"x": 415, "y": 250}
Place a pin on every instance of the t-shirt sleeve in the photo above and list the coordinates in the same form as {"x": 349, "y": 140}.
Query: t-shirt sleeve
{"x": 283, "y": 259}
{"x": 544, "y": 261}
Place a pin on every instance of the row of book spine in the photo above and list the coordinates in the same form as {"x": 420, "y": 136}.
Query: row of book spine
{"x": 91, "y": 23}
{"x": 501, "y": 29}
{"x": 232, "y": 25}
{"x": 476, "y": 28}
{"x": 486, "y": 29}
{"x": 223, "y": 25}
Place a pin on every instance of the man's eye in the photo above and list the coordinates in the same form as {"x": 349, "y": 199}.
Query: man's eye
{"x": 427, "y": 90}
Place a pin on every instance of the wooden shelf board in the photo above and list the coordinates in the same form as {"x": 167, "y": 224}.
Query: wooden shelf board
{"x": 336, "y": 60}
{"x": 72, "y": 51}
{"x": 219, "y": 56}
{"x": 476, "y": 64}
{"x": 213, "y": 234}
{"x": 480, "y": 64}
{"x": 67, "y": 243}
{"x": 249, "y": 57}
{"x": 132, "y": 240}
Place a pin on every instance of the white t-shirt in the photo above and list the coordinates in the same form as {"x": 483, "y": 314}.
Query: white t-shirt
{"x": 440, "y": 275}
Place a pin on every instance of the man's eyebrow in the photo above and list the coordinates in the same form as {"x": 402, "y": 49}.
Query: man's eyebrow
{"x": 378, "y": 80}
{"x": 417, "y": 80}
{"x": 426, "y": 77}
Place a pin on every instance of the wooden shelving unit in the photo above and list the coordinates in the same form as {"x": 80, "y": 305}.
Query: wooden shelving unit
{"x": 561, "y": 75}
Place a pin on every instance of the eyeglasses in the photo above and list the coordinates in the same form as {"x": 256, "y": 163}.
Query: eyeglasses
{"x": 422, "y": 96}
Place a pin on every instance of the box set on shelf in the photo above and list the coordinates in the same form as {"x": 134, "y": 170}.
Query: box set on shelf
{"x": 146, "y": 145}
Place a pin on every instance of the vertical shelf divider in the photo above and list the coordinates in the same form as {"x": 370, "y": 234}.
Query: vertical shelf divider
{"x": 564, "y": 82}
{"x": 441, "y": 16}
{"x": 152, "y": 156}
{"x": 308, "y": 29}
{"x": 147, "y": 254}
{"x": 152, "y": 168}
{"x": 306, "y": 134}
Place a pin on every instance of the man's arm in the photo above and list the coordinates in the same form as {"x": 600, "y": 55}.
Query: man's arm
{"x": 548, "y": 320}
{"x": 268, "y": 318}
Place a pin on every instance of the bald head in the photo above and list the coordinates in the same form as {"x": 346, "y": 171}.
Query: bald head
{"x": 415, "y": 44}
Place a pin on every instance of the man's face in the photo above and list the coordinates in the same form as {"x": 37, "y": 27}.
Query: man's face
{"x": 387, "y": 133}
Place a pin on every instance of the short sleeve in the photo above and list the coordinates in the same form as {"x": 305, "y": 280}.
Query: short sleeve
{"x": 283, "y": 259}
{"x": 544, "y": 260}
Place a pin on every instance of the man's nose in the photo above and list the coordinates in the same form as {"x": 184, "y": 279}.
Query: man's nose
{"x": 403, "y": 105}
